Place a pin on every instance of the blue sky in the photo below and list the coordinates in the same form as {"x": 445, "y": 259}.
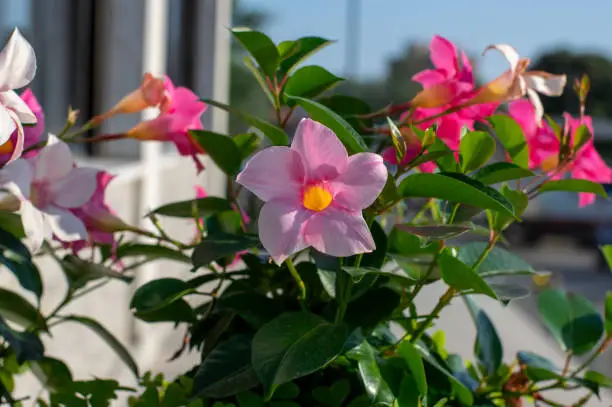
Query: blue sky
{"x": 531, "y": 26}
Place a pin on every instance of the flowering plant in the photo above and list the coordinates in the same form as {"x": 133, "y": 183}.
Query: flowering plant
{"x": 310, "y": 300}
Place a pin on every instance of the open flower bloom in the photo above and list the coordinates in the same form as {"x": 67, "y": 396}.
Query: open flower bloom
{"x": 98, "y": 217}
{"x": 49, "y": 186}
{"x": 17, "y": 69}
{"x": 518, "y": 82}
{"x": 314, "y": 194}
{"x": 179, "y": 113}
{"x": 31, "y": 134}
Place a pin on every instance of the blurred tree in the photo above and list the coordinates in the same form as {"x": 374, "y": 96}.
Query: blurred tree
{"x": 599, "y": 69}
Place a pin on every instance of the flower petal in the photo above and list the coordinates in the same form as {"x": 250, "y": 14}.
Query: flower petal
{"x": 276, "y": 172}
{"x": 545, "y": 83}
{"x": 16, "y": 178}
{"x": 443, "y": 55}
{"x": 64, "y": 224}
{"x": 13, "y": 102}
{"x": 523, "y": 112}
{"x": 339, "y": 233}
{"x": 511, "y": 55}
{"x": 17, "y": 63}
{"x": 7, "y": 125}
{"x": 537, "y": 105}
{"x": 361, "y": 183}
{"x": 281, "y": 226}
{"x": 54, "y": 162}
{"x": 429, "y": 77}
{"x": 323, "y": 155}
{"x": 20, "y": 142}
{"x": 76, "y": 189}
{"x": 34, "y": 226}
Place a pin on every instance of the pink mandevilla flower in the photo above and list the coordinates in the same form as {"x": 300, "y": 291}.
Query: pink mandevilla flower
{"x": 544, "y": 148}
{"x": 31, "y": 134}
{"x": 180, "y": 111}
{"x": 314, "y": 194}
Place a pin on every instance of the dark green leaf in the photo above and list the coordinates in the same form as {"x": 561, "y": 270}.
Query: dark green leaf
{"x": 203, "y": 207}
{"x": 18, "y": 310}
{"x": 360, "y": 311}
{"x": 226, "y": 370}
{"x": 501, "y": 172}
{"x": 254, "y": 308}
{"x": 435, "y": 232}
{"x": 11, "y": 223}
{"x": 52, "y": 373}
{"x": 581, "y": 137}
{"x": 177, "y": 311}
{"x": 79, "y": 272}
{"x": 369, "y": 372}
{"x": 16, "y": 257}
{"x": 461, "y": 277}
{"x": 408, "y": 395}
{"x": 294, "y": 345}
{"x": 411, "y": 355}
{"x": 509, "y": 292}
{"x": 249, "y": 399}
{"x": 350, "y": 108}
{"x": 487, "y": 347}
{"x": 475, "y": 148}
{"x": 498, "y": 262}
{"x": 248, "y": 62}
{"x": 572, "y": 319}
{"x": 600, "y": 379}
{"x": 220, "y": 148}
{"x": 109, "y": 338}
{"x": 26, "y": 345}
{"x": 219, "y": 245}
{"x": 247, "y": 143}
{"x": 347, "y": 135}
{"x": 151, "y": 252}
{"x": 456, "y": 188}
{"x": 157, "y": 294}
{"x": 357, "y": 274}
{"x": 286, "y": 391}
{"x": 334, "y": 395}
{"x": 512, "y": 138}
{"x": 519, "y": 201}
{"x": 276, "y": 135}
{"x": 608, "y": 314}
{"x": 377, "y": 257}
{"x": 309, "y": 82}
{"x": 538, "y": 367}
{"x": 574, "y": 185}
{"x": 305, "y": 47}
{"x": 260, "y": 47}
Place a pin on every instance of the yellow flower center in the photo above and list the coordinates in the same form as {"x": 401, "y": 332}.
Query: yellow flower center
{"x": 7, "y": 147}
{"x": 316, "y": 198}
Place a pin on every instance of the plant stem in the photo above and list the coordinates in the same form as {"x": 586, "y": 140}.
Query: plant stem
{"x": 594, "y": 356}
{"x": 442, "y": 302}
{"x": 566, "y": 366}
{"x": 344, "y": 286}
{"x": 299, "y": 282}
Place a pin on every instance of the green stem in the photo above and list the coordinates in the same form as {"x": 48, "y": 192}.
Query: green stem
{"x": 344, "y": 287}
{"x": 299, "y": 281}
{"x": 442, "y": 302}
{"x": 594, "y": 356}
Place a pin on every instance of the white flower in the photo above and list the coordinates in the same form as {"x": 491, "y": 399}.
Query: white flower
{"x": 17, "y": 69}
{"x": 49, "y": 185}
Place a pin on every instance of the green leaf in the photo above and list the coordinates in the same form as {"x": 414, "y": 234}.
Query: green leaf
{"x": 574, "y": 185}
{"x": 606, "y": 250}
{"x": 177, "y": 311}
{"x": 538, "y": 368}
{"x": 80, "y": 272}
{"x": 249, "y": 399}
{"x": 581, "y": 137}
{"x": 157, "y": 294}
{"x": 377, "y": 257}
{"x": 247, "y": 143}
{"x": 16, "y": 257}
{"x": 509, "y": 292}
{"x": 501, "y": 172}
{"x": 360, "y": 311}
{"x": 608, "y": 314}
{"x": 11, "y": 223}
{"x": 248, "y": 62}
{"x": 261, "y": 47}
{"x": 487, "y": 347}
{"x": 219, "y": 245}
{"x": 512, "y": 138}
{"x": 369, "y": 372}
{"x": 18, "y": 310}
{"x": 306, "y": 46}
{"x": 52, "y": 373}
{"x": 437, "y": 156}
{"x": 461, "y": 277}
{"x": 357, "y": 274}
{"x": 572, "y": 319}
{"x": 294, "y": 345}
{"x": 475, "y": 148}
{"x": 286, "y": 391}
{"x": 499, "y": 262}
{"x": 413, "y": 358}
{"x": 456, "y": 188}
{"x": 334, "y": 395}
{"x": 309, "y": 82}
{"x": 347, "y": 135}
{"x": 109, "y": 338}
{"x": 408, "y": 395}
{"x": 26, "y": 345}
{"x": 203, "y": 207}
{"x": 349, "y": 108}
{"x": 519, "y": 201}
{"x": 151, "y": 252}
{"x": 596, "y": 377}
{"x": 276, "y": 135}
{"x": 226, "y": 370}
{"x": 435, "y": 232}
{"x": 221, "y": 149}
{"x": 398, "y": 140}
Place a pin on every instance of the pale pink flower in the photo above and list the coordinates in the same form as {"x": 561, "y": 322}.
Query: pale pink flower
{"x": 314, "y": 194}
{"x": 180, "y": 112}
{"x": 49, "y": 186}
{"x": 31, "y": 134}
{"x": 17, "y": 69}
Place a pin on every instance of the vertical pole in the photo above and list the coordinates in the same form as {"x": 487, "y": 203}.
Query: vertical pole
{"x": 353, "y": 40}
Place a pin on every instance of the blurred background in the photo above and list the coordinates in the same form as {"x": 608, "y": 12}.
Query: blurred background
{"x": 93, "y": 52}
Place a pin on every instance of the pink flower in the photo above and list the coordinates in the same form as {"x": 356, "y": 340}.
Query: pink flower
{"x": 314, "y": 194}
{"x": 31, "y": 134}
{"x": 180, "y": 112}
{"x": 443, "y": 54}
{"x": 99, "y": 219}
